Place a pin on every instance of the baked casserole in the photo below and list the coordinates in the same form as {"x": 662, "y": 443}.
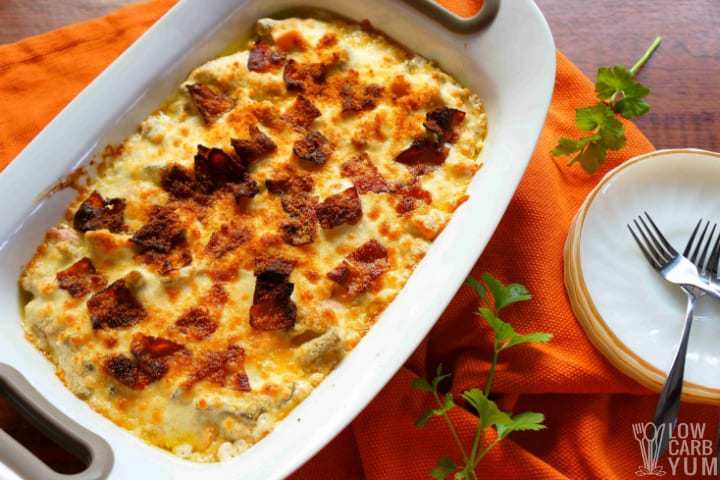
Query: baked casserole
{"x": 220, "y": 262}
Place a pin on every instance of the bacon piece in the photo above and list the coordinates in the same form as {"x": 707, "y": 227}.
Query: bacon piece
{"x": 179, "y": 182}
{"x": 228, "y": 238}
{"x": 196, "y": 323}
{"x": 256, "y": 146}
{"x": 303, "y": 76}
{"x": 423, "y": 155}
{"x": 302, "y": 113}
{"x": 210, "y": 103}
{"x": 162, "y": 233}
{"x": 272, "y": 308}
{"x": 224, "y": 368}
{"x": 115, "y": 307}
{"x": 355, "y": 100}
{"x": 214, "y": 168}
{"x": 299, "y": 204}
{"x": 145, "y": 346}
{"x": 359, "y": 270}
{"x": 364, "y": 174}
{"x": 263, "y": 57}
{"x": 442, "y": 122}
{"x": 148, "y": 364}
{"x": 80, "y": 278}
{"x": 162, "y": 241}
{"x": 313, "y": 148}
{"x": 410, "y": 195}
{"x": 343, "y": 207}
{"x": 96, "y": 213}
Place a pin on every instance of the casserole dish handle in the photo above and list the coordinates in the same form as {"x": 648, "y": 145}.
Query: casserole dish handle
{"x": 85, "y": 445}
{"x": 455, "y": 22}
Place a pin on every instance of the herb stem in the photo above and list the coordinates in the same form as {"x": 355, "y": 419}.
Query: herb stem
{"x": 486, "y": 450}
{"x": 451, "y": 426}
{"x": 491, "y": 372}
{"x": 646, "y": 56}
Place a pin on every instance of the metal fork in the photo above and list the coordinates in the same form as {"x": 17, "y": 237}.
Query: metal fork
{"x": 693, "y": 259}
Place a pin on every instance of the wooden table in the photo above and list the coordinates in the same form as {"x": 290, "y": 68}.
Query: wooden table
{"x": 684, "y": 75}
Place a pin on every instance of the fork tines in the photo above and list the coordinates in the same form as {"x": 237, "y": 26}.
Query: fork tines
{"x": 654, "y": 245}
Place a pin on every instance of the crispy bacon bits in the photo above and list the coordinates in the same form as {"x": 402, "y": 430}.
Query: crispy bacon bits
{"x": 359, "y": 270}
{"x": 299, "y": 203}
{"x": 196, "y": 323}
{"x": 313, "y": 148}
{"x": 80, "y": 278}
{"x": 224, "y": 368}
{"x": 355, "y": 99}
{"x": 423, "y": 155}
{"x": 264, "y": 58}
{"x": 96, "y": 213}
{"x": 228, "y": 238}
{"x": 115, "y": 307}
{"x": 178, "y": 181}
{"x": 343, "y": 207}
{"x": 210, "y": 103}
{"x": 214, "y": 169}
{"x": 258, "y": 145}
{"x": 272, "y": 308}
{"x": 162, "y": 233}
{"x": 303, "y": 76}
{"x": 410, "y": 195}
{"x": 148, "y": 364}
{"x": 364, "y": 174}
{"x": 443, "y": 122}
{"x": 302, "y": 113}
{"x": 162, "y": 241}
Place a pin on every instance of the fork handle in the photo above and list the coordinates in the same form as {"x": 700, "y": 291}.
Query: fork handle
{"x": 668, "y": 406}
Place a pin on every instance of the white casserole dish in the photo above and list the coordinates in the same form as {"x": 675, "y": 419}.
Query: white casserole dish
{"x": 510, "y": 64}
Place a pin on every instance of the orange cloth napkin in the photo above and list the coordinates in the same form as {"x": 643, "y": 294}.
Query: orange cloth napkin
{"x": 589, "y": 406}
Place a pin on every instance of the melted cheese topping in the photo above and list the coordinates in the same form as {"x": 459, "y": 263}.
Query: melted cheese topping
{"x": 211, "y": 422}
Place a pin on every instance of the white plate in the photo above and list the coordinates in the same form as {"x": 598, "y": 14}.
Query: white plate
{"x": 644, "y": 312}
{"x": 510, "y": 65}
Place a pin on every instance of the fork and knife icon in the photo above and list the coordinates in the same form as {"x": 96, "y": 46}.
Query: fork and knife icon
{"x": 696, "y": 273}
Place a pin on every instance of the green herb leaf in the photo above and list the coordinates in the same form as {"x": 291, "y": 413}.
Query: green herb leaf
{"x": 612, "y": 80}
{"x": 630, "y": 107}
{"x": 591, "y": 158}
{"x": 590, "y": 118}
{"x": 486, "y": 409}
{"x": 566, "y": 146}
{"x": 505, "y": 334}
{"x": 504, "y": 295}
{"x": 612, "y": 134}
{"x": 422, "y": 384}
{"x": 448, "y": 403}
{"x": 444, "y": 467}
{"x": 477, "y": 286}
{"x": 522, "y": 422}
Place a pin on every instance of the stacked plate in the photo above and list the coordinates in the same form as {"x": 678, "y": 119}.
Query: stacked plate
{"x": 628, "y": 311}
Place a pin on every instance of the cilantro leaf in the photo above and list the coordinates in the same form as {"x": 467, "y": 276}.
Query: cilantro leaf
{"x": 505, "y": 334}
{"x": 477, "y": 286}
{"x": 630, "y": 107}
{"x": 612, "y": 134}
{"x": 486, "y": 409}
{"x": 611, "y": 80}
{"x": 590, "y": 118}
{"x": 447, "y": 404}
{"x": 591, "y": 158}
{"x": 422, "y": 384}
{"x": 521, "y": 422}
{"x": 504, "y": 295}
{"x": 444, "y": 467}
{"x": 566, "y": 146}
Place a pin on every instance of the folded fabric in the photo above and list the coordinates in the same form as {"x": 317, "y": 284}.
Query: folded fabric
{"x": 589, "y": 406}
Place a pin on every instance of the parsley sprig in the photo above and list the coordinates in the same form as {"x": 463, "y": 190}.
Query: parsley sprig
{"x": 618, "y": 93}
{"x": 494, "y": 296}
